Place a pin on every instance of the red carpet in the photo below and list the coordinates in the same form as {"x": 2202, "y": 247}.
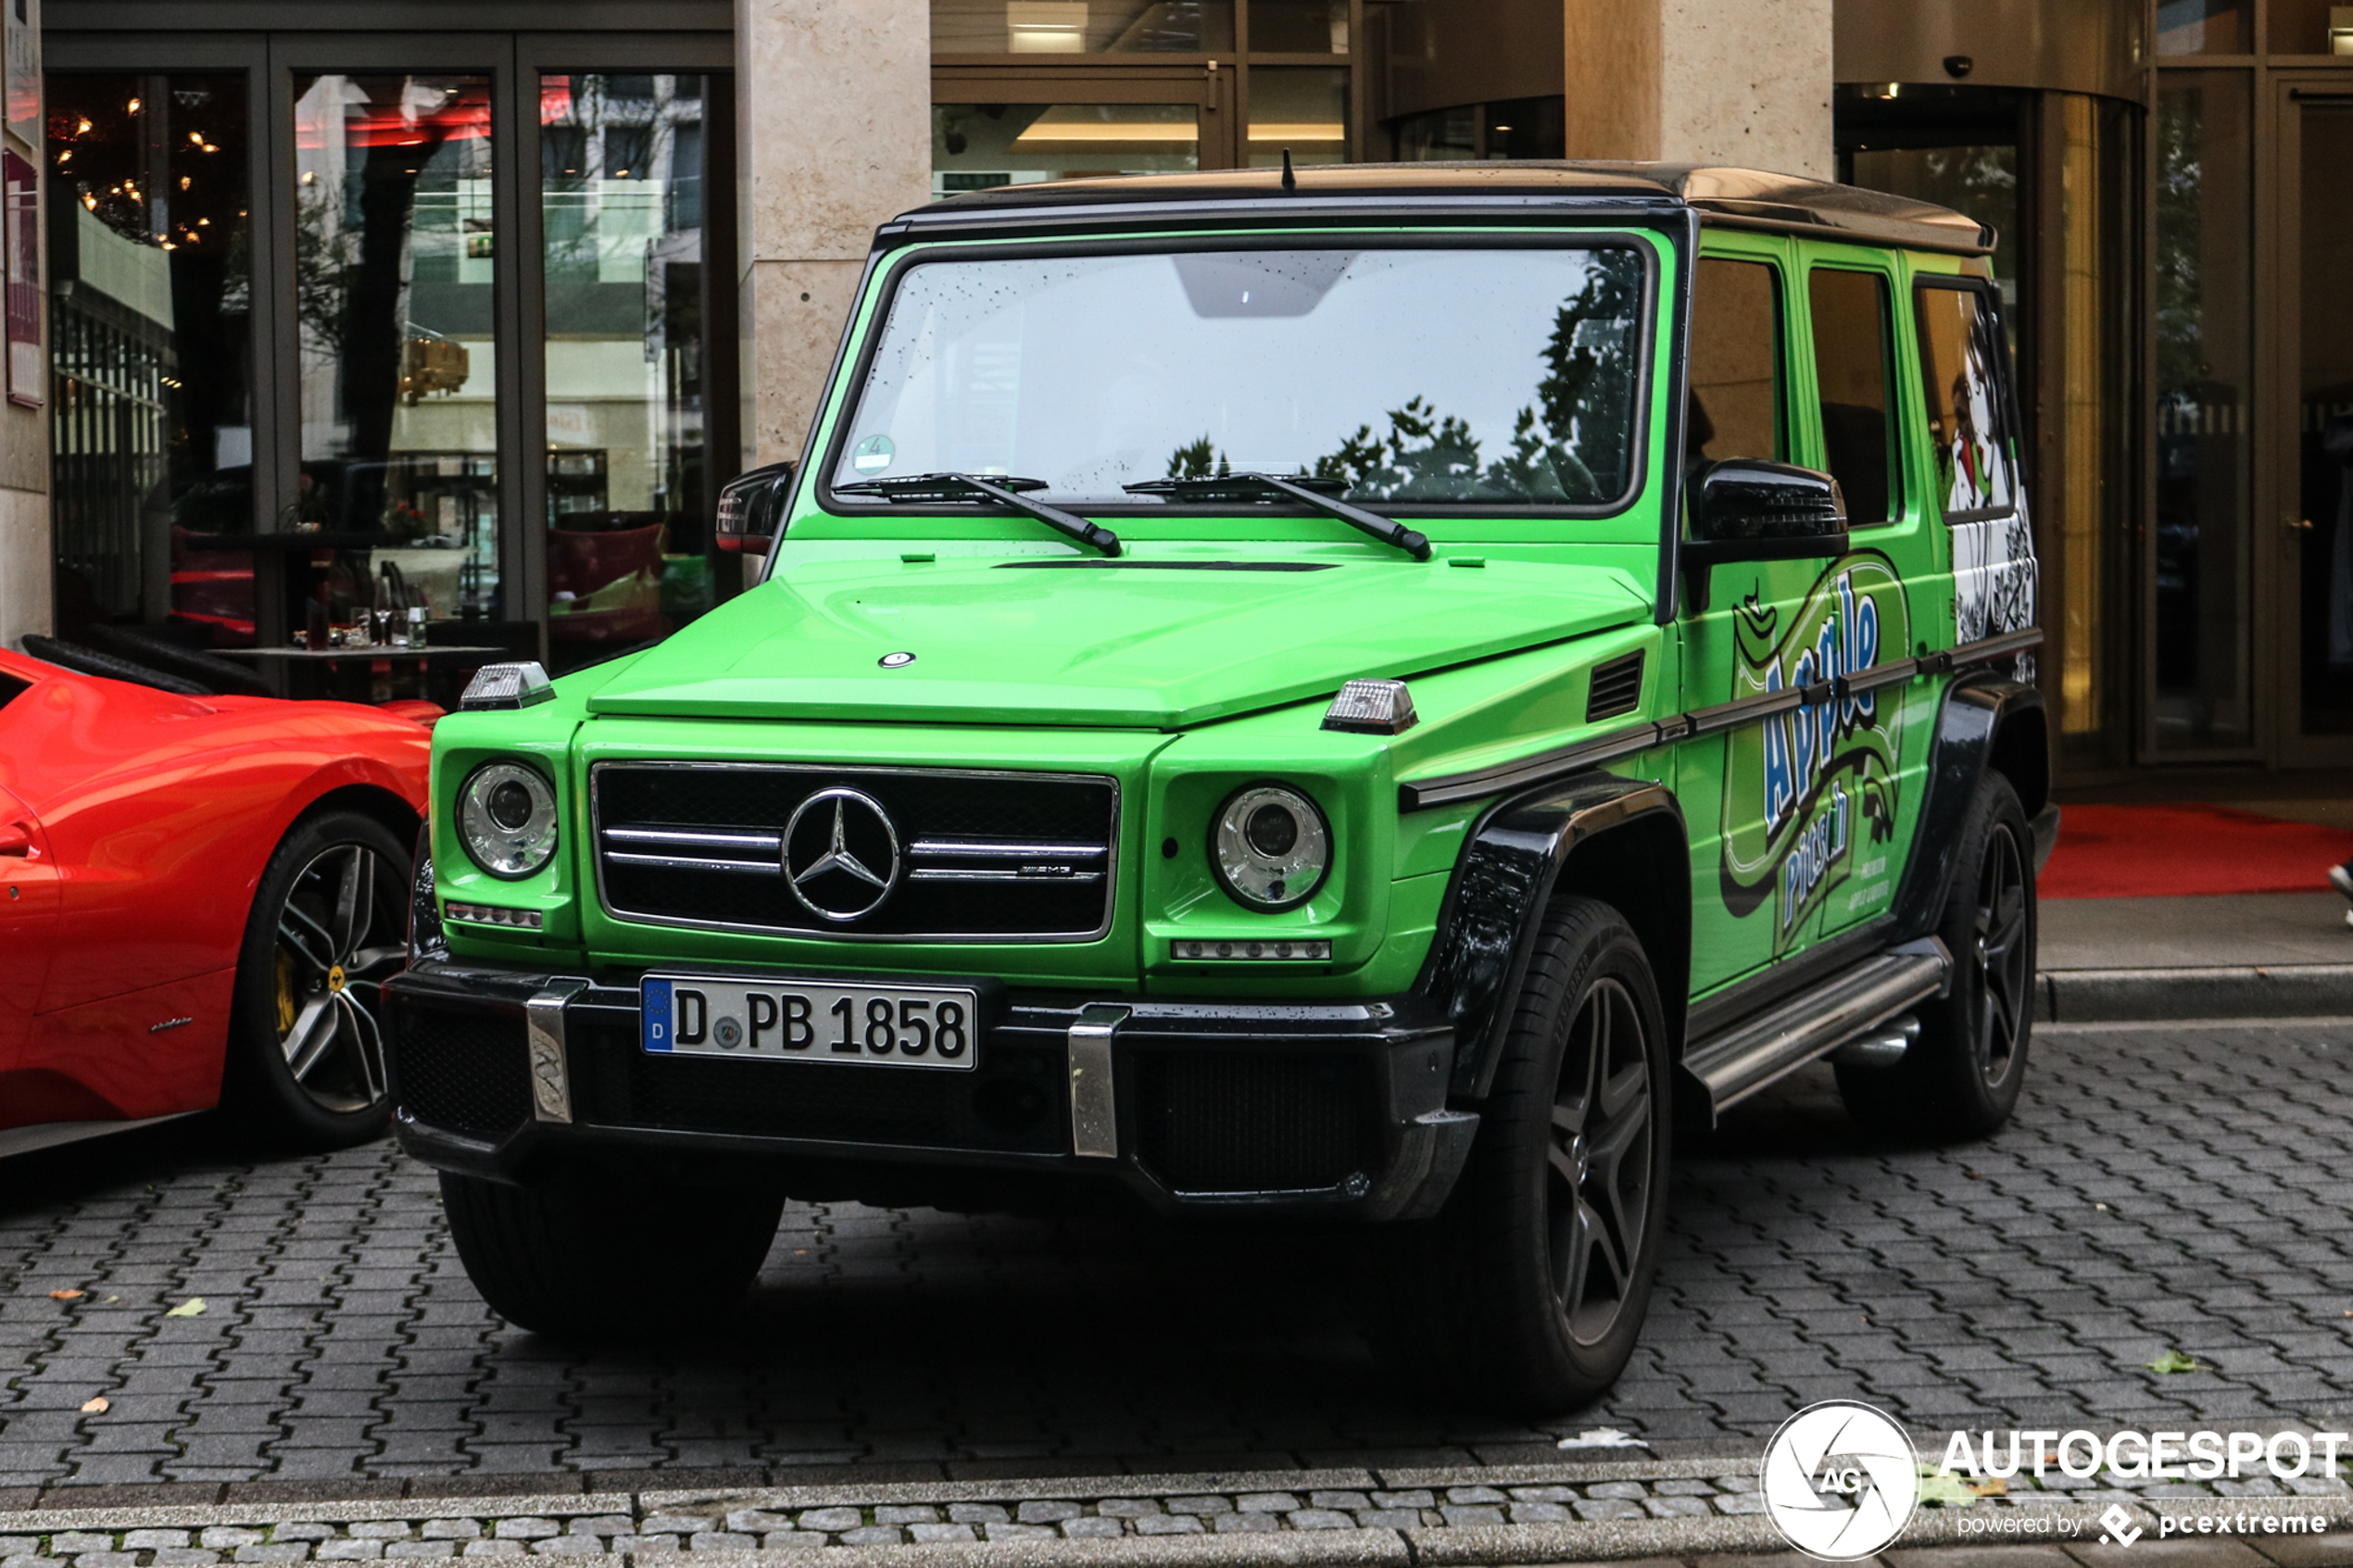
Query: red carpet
{"x": 2146, "y": 851}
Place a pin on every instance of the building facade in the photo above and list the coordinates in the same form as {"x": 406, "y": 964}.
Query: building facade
{"x": 473, "y": 307}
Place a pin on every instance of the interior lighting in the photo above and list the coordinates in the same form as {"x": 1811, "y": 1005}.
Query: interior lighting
{"x": 134, "y": 106}
{"x": 1288, "y": 130}
{"x": 1048, "y": 129}
{"x": 2341, "y": 29}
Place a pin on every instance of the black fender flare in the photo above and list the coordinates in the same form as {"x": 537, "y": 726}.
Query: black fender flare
{"x": 1987, "y": 721}
{"x": 1508, "y": 872}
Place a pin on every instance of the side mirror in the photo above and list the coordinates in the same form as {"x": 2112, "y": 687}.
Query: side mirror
{"x": 751, "y": 509}
{"x": 1745, "y": 509}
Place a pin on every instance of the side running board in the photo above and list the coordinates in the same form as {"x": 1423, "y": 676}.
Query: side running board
{"x": 1753, "y": 1053}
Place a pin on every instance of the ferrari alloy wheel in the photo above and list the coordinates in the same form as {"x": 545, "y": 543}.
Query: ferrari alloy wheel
{"x": 1529, "y": 1289}
{"x": 1961, "y": 1078}
{"x": 326, "y": 931}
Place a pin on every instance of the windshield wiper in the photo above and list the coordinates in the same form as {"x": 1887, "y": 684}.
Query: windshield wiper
{"x": 1321, "y": 494}
{"x": 1005, "y": 490}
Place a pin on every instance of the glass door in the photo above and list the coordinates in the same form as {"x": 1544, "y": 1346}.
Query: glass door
{"x": 2314, "y": 575}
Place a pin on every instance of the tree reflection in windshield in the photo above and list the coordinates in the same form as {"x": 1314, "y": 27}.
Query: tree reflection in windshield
{"x": 1499, "y": 376}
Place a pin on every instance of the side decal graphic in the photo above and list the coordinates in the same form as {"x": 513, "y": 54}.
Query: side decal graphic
{"x": 1803, "y": 787}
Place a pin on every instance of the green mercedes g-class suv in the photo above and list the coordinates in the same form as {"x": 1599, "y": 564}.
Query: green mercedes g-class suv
{"x": 1364, "y": 697}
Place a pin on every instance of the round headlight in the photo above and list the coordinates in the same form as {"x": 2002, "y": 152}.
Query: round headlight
{"x": 1270, "y": 847}
{"x": 507, "y": 817}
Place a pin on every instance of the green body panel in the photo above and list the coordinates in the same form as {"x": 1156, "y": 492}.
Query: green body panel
{"x": 1184, "y": 686}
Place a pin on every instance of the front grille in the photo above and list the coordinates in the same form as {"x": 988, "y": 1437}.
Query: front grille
{"x": 1253, "y": 1120}
{"x": 1617, "y": 689}
{"x": 978, "y": 856}
{"x": 465, "y": 1071}
{"x": 1012, "y": 1100}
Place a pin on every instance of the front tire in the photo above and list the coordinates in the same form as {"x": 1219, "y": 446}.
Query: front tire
{"x": 542, "y": 1256}
{"x": 1961, "y": 1078}
{"x": 1527, "y": 1292}
{"x": 328, "y": 927}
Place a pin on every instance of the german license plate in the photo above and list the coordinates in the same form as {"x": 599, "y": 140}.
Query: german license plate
{"x": 810, "y": 1020}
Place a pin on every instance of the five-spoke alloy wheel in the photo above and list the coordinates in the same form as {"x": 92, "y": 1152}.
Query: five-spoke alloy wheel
{"x": 328, "y": 928}
{"x": 1529, "y": 1289}
{"x": 1960, "y": 1078}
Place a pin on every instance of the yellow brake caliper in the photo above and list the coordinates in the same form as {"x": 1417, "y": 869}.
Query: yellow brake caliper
{"x": 285, "y": 992}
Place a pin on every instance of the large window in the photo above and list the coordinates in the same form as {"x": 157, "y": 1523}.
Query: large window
{"x": 630, "y": 482}
{"x": 340, "y": 338}
{"x": 395, "y": 249}
{"x": 151, "y": 334}
{"x": 1030, "y": 89}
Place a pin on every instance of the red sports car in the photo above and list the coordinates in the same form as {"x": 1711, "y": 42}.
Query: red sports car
{"x": 199, "y": 900}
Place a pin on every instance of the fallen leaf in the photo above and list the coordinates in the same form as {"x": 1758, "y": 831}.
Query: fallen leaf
{"x": 192, "y": 1308}
{"x": 1992, "y": 1486}
{"x": 76, "y": 1295}
{"x": 1974, "y": 1176}
{"x": 112, "y": 1299}
{"x": 2174, "y": 1361}
{"x": 96, "y": 1406}
{"x": 1944, "y": 1491}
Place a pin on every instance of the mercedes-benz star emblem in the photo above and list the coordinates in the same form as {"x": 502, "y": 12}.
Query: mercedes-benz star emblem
{"x": 841, "y": 854}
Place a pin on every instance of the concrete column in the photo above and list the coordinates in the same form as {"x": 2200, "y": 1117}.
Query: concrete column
{"x": 833, "y": 136}
{"x": 1745, "y": 82}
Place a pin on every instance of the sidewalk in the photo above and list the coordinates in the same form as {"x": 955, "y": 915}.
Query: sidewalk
{"x": 2252, "y": 955}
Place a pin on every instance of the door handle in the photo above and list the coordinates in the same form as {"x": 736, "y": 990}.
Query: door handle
{"x": 15, "y": 839}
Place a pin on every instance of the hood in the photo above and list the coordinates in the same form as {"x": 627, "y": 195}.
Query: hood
{"x": 1143, "y": 642}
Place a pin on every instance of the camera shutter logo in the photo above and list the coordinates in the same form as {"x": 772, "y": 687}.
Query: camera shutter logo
{"x": 1840, "y": 1480}
{"x": 842, "y": 854}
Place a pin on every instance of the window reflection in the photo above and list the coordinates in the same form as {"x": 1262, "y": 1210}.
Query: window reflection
{"x": 151, "y": 314}
{"x": 628, "y": 464}
{"x": 981, "y": 147}
{"x": 394, "y": 256}
{"x": 1301, "y": 109}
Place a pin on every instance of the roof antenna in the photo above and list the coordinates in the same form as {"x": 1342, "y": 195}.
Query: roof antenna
{"x": 1290, "y": 181}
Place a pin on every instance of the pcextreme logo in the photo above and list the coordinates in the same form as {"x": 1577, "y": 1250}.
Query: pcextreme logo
{"x": 1840, "y": 1480}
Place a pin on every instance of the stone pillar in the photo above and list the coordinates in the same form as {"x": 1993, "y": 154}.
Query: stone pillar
{"x": 1745, "y": 82}
{"x": 833, "y": 136}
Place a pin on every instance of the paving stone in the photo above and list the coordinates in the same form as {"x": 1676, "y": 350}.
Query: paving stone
{"x": 526, "y": 1529}
{"x": 1013, "y": 1531}
{"x": 492, "y": 1549}
{"x": 1198, "y": 1504}
{"x": 1246, "y": 1523}
{"x": 879, "y": 1534}
{"x": 921, "y": 1533}
{"x": 275, "y": 1551}
{"x": 1039, "y": 1512}
{"x": 183, "y": 1557}
{"x": 1406, "y": 1500}
{"x": 1093, "y": 1528}
{"x": 831, "y": 1519}
{"x": 420, "y": 1548}
{"x": 450, "y": 1529}
{"x": 1169, "y": 1525}
{"x": 737, "y": 1540}
{"x": 349, "y": 1550}
{"x": 1110, "y": 1508}
{"x": 148, "y": 1540}
{"x": 1339, "y": 1501}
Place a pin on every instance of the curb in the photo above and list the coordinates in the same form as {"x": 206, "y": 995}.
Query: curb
{"x": 2020, "y": 1533}
{"x": 2104, "y": 995}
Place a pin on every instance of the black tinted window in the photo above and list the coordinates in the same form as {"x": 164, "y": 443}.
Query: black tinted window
{"x": 1736, "y": 351}
{"x": 1853, "y": 373}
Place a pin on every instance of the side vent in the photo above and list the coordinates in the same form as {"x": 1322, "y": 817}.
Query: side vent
{"x": 1618, "y": 688}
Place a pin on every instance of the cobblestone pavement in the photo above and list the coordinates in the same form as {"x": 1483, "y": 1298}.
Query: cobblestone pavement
{"x": 2182, "y": 1190}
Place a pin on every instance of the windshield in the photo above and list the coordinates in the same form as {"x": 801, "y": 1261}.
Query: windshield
{"x": 1506, "y": 376}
